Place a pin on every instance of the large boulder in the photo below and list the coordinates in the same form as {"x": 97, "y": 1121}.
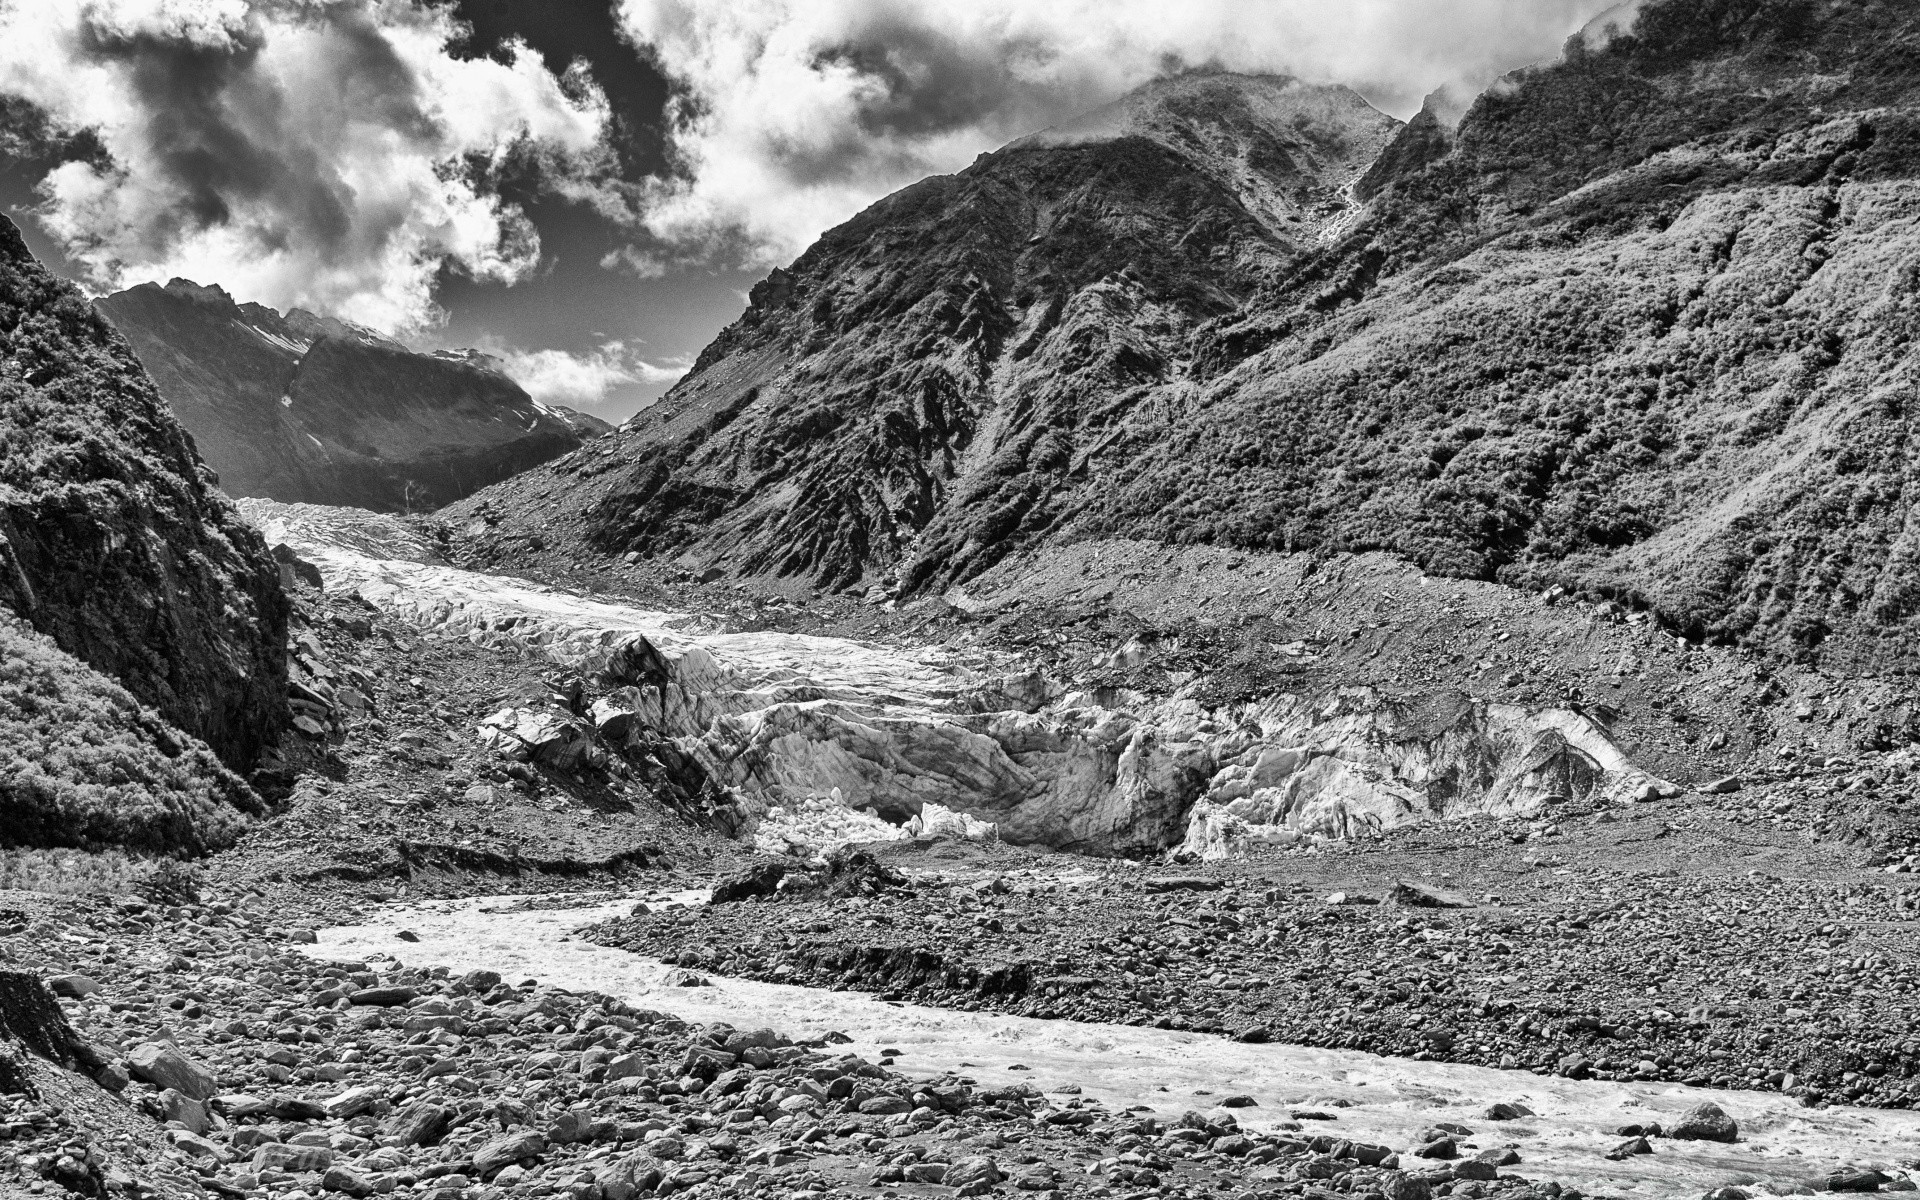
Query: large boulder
{"x": 114, "y": 540}
{"x": 1706, "y": 1122}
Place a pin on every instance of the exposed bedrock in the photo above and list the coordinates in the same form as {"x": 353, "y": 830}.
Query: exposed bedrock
{"x": 777, "y": 718}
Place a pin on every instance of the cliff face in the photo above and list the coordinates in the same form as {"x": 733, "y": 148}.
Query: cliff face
{"x": 113, "y": 540}
{"x": 1640, "y": 323}
{"x": 301, "y": 408}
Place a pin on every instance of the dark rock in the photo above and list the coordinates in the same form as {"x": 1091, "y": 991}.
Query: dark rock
{"x": 113, "y": 540}
{"x": 1705, "y": 1123}
{"x": 502, "y": 1152}
{"x": 1419, "y": 895}
{"x": 418, "y": 1124}
{"x": 1856, "y": 1179}
{"x": 761, "y": 878}
{"x": 1629, "y": 1148}
{"x": 164, "y": 1066}
{"x": 384, "y": 997}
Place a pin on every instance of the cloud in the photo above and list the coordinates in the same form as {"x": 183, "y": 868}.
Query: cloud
{"x": 793, "y": 115}
{"x": 325, "y": 154}
{"x": 584, "y": 380}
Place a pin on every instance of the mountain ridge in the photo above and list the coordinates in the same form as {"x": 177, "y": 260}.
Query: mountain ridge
{"x": 303, "y": 408}
{"x": 1553, "y": 346}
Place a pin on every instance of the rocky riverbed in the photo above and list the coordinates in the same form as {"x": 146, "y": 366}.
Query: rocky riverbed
{"x": 241, "y": 1054}
{"x": 1656, "y": 948}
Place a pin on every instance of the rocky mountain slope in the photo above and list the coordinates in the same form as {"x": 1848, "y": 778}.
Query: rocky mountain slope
{"x": 114, "y": 542}
{"x": 304, "y": 408}
{"x": 1638, "y": 325}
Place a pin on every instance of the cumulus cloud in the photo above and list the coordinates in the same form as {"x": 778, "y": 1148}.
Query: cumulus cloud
{"x": 795, "y": 114}
{"x": 325, "y": 154}
{"x": 584, "y": 380}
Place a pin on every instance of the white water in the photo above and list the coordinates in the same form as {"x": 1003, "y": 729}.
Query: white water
{"x": 1123, "y": 1066}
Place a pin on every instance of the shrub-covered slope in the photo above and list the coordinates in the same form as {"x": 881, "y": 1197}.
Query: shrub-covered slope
{"x": 82, "y": 763}
{"x": 1641, "y": 324}
{"x": 113, "y": 540}
{"x": 304, "y": 409}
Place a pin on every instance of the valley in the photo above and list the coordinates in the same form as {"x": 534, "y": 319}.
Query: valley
{"x": 1234, "y": 648}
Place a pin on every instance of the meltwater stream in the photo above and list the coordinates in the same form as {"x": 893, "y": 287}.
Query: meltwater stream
{"x": 1387, "y": 1099}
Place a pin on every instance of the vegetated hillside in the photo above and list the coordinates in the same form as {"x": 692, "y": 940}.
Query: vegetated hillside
{"x": 1641, "y": 325}
{"x": 82, "y": 763}
{"x": 113, "y": 540}
{"x": 304, "y": 408}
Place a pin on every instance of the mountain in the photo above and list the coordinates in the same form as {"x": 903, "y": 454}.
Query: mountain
{"x": 305, "y": 408}
{"x": 1639, "y": 323}
{"x": 117, "y": 551}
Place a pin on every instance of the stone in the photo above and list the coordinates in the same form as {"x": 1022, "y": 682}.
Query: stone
{"x": 634, "y": 1175}
{"x": 505, "y": 1151}
{"x": 761, "y": 878}
{"x": 384, "y": 997}
{"x": 975, "y": 1170}
{"x": 279, "y": 1156}
{"x": 626, "y": 1066}
{"x": 195, "y": 1146}
{"x": 1036, "y": 1177}
{"x": 113, "y": 1076}
{"x": 1629, "y": 1148}
{"x": 164, "y": 1066}
{"x": 1705, "y": 1123}
{"x": 71, "y": 987}
{"x": 347, "y": 1181}
{"x": 884, "y": 1106}
{"x": 1726, "y": 785}
{"x": 421, "y": 1123}
{"x": 1180, "y": 883}
{"x": 1419, "y": 895}
{"x": 1505, "y": 1110}
{"x": 1856, "y": 1179}
{"x": 191, "y": 1113}
{"x": 1441, "y": 1147}
{"x": 354, "y": 1101}
{"x": 1404, "y": 1185}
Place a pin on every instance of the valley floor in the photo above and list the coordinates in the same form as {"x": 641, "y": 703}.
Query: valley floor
{"x": 1759, "y": 940}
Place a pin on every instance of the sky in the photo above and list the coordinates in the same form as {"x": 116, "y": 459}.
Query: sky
{"x": 588, "y": 188}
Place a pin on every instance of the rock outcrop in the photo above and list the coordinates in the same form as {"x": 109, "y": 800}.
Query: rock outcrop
{"x": 1637, "y": 324}
{"x": 305, "y": 408}
{"x": 114, "y": 541}
{"x": 778, "y": 720}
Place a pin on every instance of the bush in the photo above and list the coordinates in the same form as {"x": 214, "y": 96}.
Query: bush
{"x": 84, "y": 765}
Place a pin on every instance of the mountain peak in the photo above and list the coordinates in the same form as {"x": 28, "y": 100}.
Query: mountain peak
{"x": 1168, "y": 110}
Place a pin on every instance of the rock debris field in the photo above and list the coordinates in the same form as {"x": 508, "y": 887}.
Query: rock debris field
{"x": 382, "y": 1059}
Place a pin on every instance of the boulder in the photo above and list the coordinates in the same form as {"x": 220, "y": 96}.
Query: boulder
{"x": 1705, "y": 1123}
{"x": 421, "y": 1123}
{"x": 760, "y": 878}
{"x": 278, "y": 1156}
{"x": 164, "y": 1066}
{"x": 635, "y": 1175}
{"x": 1505, "y": 1110}
{"x": 503, "y": 1152}
{"x": 1419, "y": 895}
{"x": 71, "y": 987}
